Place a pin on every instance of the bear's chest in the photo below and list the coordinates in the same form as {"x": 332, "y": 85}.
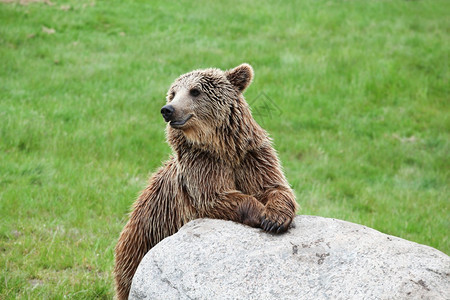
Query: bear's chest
{"x": 201, "y": 177}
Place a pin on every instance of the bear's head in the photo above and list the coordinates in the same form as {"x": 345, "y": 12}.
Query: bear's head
{"x": 206, "y": 107}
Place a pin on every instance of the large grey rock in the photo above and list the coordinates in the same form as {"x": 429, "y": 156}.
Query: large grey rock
{"x": 318, "y": 259}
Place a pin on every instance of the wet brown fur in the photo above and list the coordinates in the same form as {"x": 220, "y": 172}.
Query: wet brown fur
{"x": 223, "y": 166}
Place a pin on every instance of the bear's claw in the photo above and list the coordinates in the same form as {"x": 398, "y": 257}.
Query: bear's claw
{"x": 282, "y": 229}
{"x": 274, "y": 226}
{"x": 275, "y": 221}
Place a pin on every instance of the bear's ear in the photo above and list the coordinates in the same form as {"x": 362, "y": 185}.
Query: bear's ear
{"x": 240, "y": 77}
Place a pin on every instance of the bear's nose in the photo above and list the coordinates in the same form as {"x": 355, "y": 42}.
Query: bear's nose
{"x": 167, "y": 112}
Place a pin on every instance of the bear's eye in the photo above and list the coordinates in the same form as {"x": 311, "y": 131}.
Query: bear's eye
{"x": 172, "y": 95}
{"x": 194, "y": 92}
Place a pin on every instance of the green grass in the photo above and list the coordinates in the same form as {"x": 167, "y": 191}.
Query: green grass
{"x": 361, "y": 122}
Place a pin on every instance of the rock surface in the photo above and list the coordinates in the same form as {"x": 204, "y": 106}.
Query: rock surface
{"x": 319, "y": 258}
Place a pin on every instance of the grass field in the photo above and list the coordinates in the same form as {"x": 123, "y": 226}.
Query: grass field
{"x": 354, "y": 93}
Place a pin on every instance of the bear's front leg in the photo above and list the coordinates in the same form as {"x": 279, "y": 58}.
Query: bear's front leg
{"x": 260, "y": 174}
{"x": 156, "y": 215}
{"x": 237, "y": 207}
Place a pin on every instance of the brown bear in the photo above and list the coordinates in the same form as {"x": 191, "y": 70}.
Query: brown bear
{"x": 223, "y": 166}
